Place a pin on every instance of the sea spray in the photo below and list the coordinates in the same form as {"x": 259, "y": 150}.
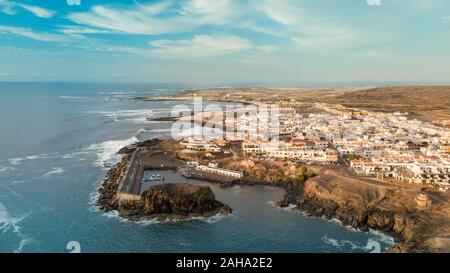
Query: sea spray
{"x": 8, "y": 223}
{"x": 107, "y": 151}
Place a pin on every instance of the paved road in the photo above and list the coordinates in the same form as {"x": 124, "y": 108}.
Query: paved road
{"x": 131, "y": 183}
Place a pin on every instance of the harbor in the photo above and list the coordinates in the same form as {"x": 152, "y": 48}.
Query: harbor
{"x": 143, "y": 171}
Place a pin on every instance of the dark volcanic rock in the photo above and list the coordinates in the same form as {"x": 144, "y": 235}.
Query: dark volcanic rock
{"x": 172, "y": 201}
{"x": 283, "y": 203}
{"x": 146, "y": 143}
{"x": 180, "y": 199}
{"x": 381, "y": 220}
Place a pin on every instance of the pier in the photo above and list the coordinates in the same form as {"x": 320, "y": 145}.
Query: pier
{"x": 142, "y": 160}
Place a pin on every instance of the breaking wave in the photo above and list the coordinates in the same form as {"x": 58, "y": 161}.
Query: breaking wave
{"x": 343, "y": 243}
{"x": 10, "y": 223}
{"x": 72, "y": 97}
{"x": 290, "y": 207}
{"x": 5, "y": 169}
{"x": 18, "y": 160}
{"x": 107, "y": 151}
{"x": 137, "y": 116}
{"x": 114, "y": 214}
{"x": 54, "y": 171}
{"x": 380, "y": 236}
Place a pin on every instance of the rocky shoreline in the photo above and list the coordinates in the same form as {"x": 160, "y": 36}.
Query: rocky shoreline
{"x": 164, "y": 202}
{"x": 355, "y": 204}
{"x": 414, "y": 230}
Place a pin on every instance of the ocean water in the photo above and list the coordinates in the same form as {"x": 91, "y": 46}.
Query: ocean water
{"x": 55, "y": 139}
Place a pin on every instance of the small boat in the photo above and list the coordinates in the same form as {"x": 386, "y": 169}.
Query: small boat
{"x": 157, "y": 178}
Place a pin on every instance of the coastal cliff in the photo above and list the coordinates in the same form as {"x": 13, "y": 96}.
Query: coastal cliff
{"x": 367, "y": 207}
{"x": 333, "y": 192}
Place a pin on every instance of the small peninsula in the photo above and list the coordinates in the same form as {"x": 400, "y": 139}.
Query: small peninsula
{"x": 161, "y": 201}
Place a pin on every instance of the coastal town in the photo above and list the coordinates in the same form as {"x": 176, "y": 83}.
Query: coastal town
{"x": 382, "y": 170}
{"x": 386, "y": 146}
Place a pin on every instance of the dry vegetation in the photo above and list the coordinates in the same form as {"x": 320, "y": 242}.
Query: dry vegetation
{"x": 428, "y": 103}
{"x": 424, "y": 102}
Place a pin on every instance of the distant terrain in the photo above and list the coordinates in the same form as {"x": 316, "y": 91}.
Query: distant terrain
{"x": 427, "y": 103}
{"x": 423, "y": 102}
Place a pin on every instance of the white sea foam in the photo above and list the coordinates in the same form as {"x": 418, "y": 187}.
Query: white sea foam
{"x": 111, "y": 214}
{"x": 214, "y": 219}
{"x": 148, "y": 222}
{"x": 380, "y": 236}
{"x": 114, "y": 214}
{"x": 72, "y": 97}
{"x": 118, "y": 93}
{"x": 54, "y": 171}
{"x": 5, "y": 169}
{"x": 72, "y": 155}
{"x": 18, "y": 160}
{"x": 17, "y": 182}
{"x": 107, "y": 151}
{"x": 137, "y": 116}
{"x": 290, "y": 207}
{"x": 342, "y": 243}
{"x": 139, "y": 120}
{"x": 41, "y": 156}
{"x": 141, "y": 131}
{"x": 119, "y": 114}
{"x": 164, "y": 130}
{"x": 10, "y": 223}
{"x": 107, "y": 156}
{"x": 93, "y": 198}
{"x": 15, "y": 161}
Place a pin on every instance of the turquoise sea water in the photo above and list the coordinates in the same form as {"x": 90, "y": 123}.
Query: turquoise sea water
{"x": 55, "y": 139}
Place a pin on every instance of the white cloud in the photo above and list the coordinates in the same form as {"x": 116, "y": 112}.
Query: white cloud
{"x": 29, "y": 33}
{"x": 205, "y": 6}
{"x": 324, "y": 38}
{"x": 374, "y": 2}
{"x": 310, "y": 30}
{"x": 199, "y": 46}
{"x": 138, "y": 19}
{"x": 145, "y": 18}
{"x": 38, "y": 11}
{"x": 9, "y": 7}
{"x": 284, "y": 12}
{"x": 73, "y": 2}
{"x": 95, "y": 46}
{"x": 445, "y": 18}
{"x": 267, "y": 48}
{"x": 73, "y": 30}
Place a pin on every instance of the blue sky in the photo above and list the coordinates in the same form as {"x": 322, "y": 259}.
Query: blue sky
{"x": 225, "y": 41}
